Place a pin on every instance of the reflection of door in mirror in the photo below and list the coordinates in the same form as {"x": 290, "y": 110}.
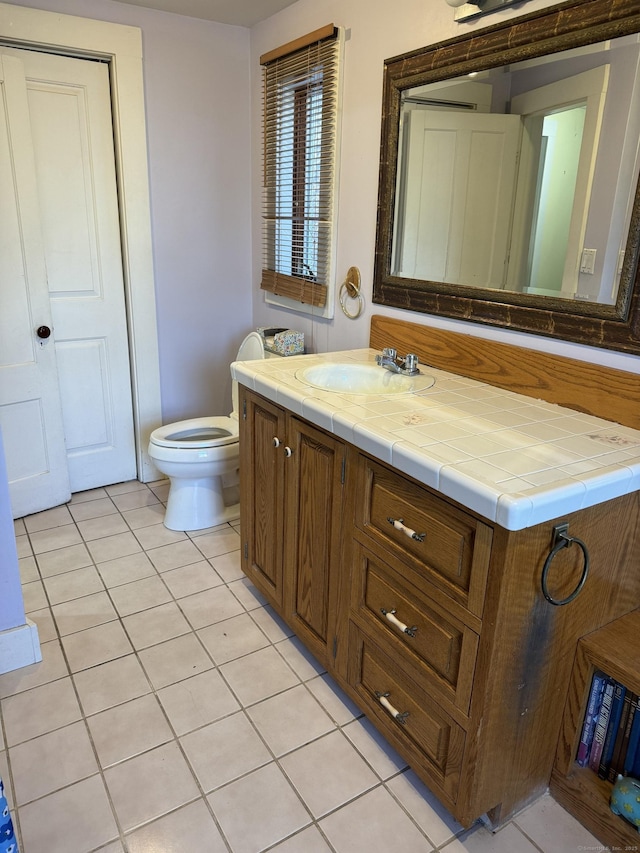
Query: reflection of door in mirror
{"x": 562, "y": 124}
{"x": 458, "y": 190}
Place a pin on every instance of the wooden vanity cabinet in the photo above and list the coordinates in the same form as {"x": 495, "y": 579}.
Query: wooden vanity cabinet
{"x": 292, "y": 478}
{"x": 472, "y": 694}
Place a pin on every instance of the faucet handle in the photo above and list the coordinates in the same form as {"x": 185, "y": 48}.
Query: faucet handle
{"x": 411, "y": 361}
{"x": 389, "y": 352}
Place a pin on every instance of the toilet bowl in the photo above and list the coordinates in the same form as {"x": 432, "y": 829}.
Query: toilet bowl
{"x": 201, "y": 458}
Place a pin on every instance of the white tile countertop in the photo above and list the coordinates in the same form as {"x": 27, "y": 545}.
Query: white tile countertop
{"x": 515, "y": 460}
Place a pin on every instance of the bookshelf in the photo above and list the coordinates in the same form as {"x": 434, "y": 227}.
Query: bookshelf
{"x": 614, "y": 649}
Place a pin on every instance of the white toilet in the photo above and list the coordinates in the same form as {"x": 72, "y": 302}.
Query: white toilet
{"x": 201, "y": 458}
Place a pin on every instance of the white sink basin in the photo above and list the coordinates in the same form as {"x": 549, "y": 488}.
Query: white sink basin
{"x": 352, "y": 378}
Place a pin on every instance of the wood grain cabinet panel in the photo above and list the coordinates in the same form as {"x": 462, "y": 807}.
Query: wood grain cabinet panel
{"x": 480, "y": 687}
{"x": 452, "y": 547}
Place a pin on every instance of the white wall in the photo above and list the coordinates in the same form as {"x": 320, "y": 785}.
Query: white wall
{"x": 377, "y": 30}
{"x": 197, "y": 83}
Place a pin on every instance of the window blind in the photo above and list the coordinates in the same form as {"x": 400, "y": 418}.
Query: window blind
{"x": 300, "y": 100}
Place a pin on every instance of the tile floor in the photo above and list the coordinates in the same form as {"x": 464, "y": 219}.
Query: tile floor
{"x": 173, "y": 711}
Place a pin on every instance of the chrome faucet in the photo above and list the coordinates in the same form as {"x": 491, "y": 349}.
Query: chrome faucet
{"x": 390, "y": 360}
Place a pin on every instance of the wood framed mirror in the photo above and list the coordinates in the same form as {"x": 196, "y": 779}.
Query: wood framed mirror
{"x": 591, "y": 33}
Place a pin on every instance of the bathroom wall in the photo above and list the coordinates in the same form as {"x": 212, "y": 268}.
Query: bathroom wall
{"x": 197, "y": 83}
{"x": 376, "y": 30}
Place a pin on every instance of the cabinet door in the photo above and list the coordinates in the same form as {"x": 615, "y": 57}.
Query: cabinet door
{"x": 314, "y": 478}
{"x": 262, "y": 441}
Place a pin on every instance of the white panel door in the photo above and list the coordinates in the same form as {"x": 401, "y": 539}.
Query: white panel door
{"x": 30, "y": 412}
{"x": 71, "y": 123}
{"x": 460, "y": 184}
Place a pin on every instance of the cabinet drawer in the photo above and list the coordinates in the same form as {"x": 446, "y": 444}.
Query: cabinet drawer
{"x": 409, "y": 623}
{"x": 450, "y": 546}
{"x": 421, "y": 731}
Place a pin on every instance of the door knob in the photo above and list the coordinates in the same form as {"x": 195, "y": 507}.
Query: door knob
{"x": 43, "y": 331}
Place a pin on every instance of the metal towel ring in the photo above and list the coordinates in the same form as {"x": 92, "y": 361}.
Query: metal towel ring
{"x": 561, "y": 539}
{"x": 351, "y": 288}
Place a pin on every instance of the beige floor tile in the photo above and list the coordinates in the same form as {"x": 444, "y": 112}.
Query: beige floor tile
{"x": 103, "y": 526}
{"x": 63, "y": 560}
{"x": 170, "y": 662}
{"x": 96, "y": 645}
{"x": 73, "y": 584}
{"x": 258, "y": 810}
{"x": 127, "y": 486}
{"x": 28, "y": 568}
{"x": 150, "y": 785}
{"x": 112, "y": 547}
{"x": 134, "y": 500}
{"x": 127, "y": 730}
{"x": 335, "y": 701}
{"x": 197, "y": 701}
{"x": 160, "y": 489}
{"x": 290, "y": 719}
{"x": 271, "y": 624}
{"x": 232, "y": 638}
{"x": 309, "y": 841}
{"x": 299, "y": 659}
{"x": 551, "y": 827}
{"x": 174, "y": 555}
{"x": 57, "y": 537}
{"x": 258, "y": 676}
{"x": 51, "y": 667}
{"x": 190, "y": 829}
{"x": 247, "y": 594}
{"x": 157, "y": 536}
{"x": 93, "y": 509}
{"x": 23, "y": 546}
{"x": 373, "y": 822}
{"x": 220, "y": 542}
{"x": 150, "y": 627}
{"x": 33, "y": 596}
{"x": 83, "y": 613}
{"x": 55, "y": 517}
{"x": 140, "y": 595}
{"x": 327, "y": 773}
{"x": 88, "y": 495}
{"x": 144, "y": 516}
{"x": 236, "y": 746}
{"x": 210, "y": 606}
{"x": 127, "y": 569}
{"x": 228, "y": 566}
{"x": 19, "y": 527}
{"x": 44, "y": 623}
{"x": 508, "y": 840}
{"x": 188, "y": 580}
{"x": 110, "y": 684}
{"x": 77, "y": 818}
{"x": 374, "y": 748}
{"x": 427, "y": 811}
{"x": 40, "y": 710}
{"x": 51, "y": 761}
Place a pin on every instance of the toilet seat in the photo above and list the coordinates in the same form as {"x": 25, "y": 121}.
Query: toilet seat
{"x": 197, "y": 433}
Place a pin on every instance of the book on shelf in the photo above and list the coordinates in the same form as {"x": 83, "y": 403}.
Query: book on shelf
{"x": 633, "y": 748}
{"x": 600, "y": 731}
{"x": 591, "y": 717}
{"x": 617, "y": 703}
{"x": 621, "y": 738}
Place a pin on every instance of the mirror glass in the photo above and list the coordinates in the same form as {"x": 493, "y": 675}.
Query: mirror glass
{"x": 509, "y": 172}
{"x": 519, "y": 177}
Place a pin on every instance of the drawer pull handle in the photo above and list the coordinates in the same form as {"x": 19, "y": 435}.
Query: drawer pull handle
{"x": 276, "y": 441}
{"x": 401, "y": 717}
{"x": 287, "y": 452}
{"x": 399, "y": 525}
{"x": 390, "y": 616}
